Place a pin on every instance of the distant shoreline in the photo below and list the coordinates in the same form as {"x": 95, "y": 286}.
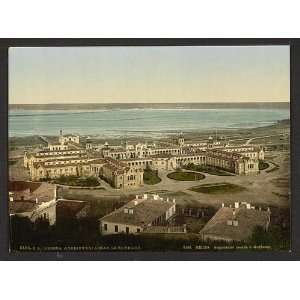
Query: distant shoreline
{"x": 91, "y": 106}
{"x": 279, "y": 124}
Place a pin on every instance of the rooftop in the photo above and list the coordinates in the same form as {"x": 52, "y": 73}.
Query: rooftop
{"x": 116, "y": 165}
{"x": 17, "y": 207}
{"x": 68, "y": 208}
{"x": 43, "y": 191}
{"x": 247, "y": 218}
{"x": 243, "y": 148}
{"x": 60, "y": 151}
{"x": 232, "y": 156}
{"x": 70, "y": 135}
{"x": 145, "y": 211}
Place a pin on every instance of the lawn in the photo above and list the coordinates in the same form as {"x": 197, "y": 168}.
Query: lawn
{"x": 262, "y": 165}
{"x": 218, "y": 188}
{"x": 185, "y": 176}
{"x": 207, "y": 169}
{"x": 151, "y": 177}
{"x": 275, "y": 167}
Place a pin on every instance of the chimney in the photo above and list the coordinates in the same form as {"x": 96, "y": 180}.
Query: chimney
{"x": 174, "y": 201}
{"x": 235, "y": 223}
{"x": 36, "y": 200}
{"x": 223, "y": 205}
{"x": 167, "y": 199}
{"x": 11, "y": 196}
{"x": 135, "y": 202}
{"x": 55, "y": 192}
{"x": 136, "y": 196}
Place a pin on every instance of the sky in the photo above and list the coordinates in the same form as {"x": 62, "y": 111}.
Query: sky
{"x": 44, "y": 75}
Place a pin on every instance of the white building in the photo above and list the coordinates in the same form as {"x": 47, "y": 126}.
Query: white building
{"x": 138, "y": 215}
{"x": 38, "y": 201}
{"x": 235, "y": 223}
{"x": 67, "y": 138}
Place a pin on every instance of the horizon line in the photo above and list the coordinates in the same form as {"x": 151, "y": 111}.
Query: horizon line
{"x": 217, "y": 102}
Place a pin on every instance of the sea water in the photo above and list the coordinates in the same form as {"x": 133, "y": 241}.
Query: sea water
{"x": 137, "y": 122}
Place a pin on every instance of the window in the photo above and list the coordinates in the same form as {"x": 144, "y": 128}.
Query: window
{"x": 138, "y": 230}
{"x": 116, "y": 228}
{"x": 127, "y": 229}
{"x": 105, "y": 227}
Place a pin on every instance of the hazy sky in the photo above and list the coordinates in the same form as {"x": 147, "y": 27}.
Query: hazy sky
{"x": 149, "y": 74}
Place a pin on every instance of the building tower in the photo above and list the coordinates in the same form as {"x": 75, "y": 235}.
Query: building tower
{"x": 61, "y": 138}
{"x": 88, "y": 144}
{"x": 180, "y": 140}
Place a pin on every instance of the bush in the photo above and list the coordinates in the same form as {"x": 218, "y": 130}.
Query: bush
{"x": 151, "y": 176}
{"x": 73, "y": 180}
{"x": 185, "y": 176}
{"x": 262, "y": 165}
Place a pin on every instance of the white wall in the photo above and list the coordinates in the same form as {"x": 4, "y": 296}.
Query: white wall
{"x": 121, "y": 228}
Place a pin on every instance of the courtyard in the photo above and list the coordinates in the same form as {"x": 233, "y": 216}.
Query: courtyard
{"x": 266, "y": 188}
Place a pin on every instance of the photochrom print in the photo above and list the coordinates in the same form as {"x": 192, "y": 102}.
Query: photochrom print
{"x": 157, "y": 148}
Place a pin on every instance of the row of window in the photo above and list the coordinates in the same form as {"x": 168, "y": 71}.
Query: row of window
{"x": 136, "y": 163}
{"x": 63, "y": 162}
{"x": 191, "y": 158}
{"x": 117, "y": 228}
{"x": 166, "y": 151}
{"x": 58, "y": 153}
{"x": 58, "y": 148}
{"x": 61, "y": 171}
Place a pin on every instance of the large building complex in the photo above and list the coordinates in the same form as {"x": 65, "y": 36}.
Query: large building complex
{"x": 122, "y": 166}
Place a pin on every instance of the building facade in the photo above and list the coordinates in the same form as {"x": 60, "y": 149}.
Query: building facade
{"x": 139, "y": 214}
{"x": 235, "y": 223}
{"x": 123, "y": 165}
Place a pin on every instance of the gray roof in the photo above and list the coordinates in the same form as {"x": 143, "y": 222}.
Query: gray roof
{"x": 16, "y": 207}
{"x": 144, "y": 213}
{"x": 247, "y": 219}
